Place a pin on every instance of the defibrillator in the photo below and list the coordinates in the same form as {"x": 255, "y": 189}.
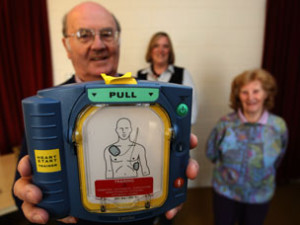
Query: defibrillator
{"x": 110, "y": 151}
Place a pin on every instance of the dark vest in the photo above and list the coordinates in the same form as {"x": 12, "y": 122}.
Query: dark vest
{"x": 69, "y": 81}
{"x": 177, "y": 76}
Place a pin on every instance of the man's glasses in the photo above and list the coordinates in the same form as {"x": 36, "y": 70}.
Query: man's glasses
{"x": 85, "y": 35}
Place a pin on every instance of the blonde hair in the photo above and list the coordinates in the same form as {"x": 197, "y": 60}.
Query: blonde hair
{"x": 268, "y": 83}
{"x": 152, "y": 43}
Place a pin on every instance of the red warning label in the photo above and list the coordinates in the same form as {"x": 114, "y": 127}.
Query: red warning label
{"x": 124, "y": 187}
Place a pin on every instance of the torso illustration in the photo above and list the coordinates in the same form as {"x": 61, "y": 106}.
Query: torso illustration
{"x": 125, "y": 158}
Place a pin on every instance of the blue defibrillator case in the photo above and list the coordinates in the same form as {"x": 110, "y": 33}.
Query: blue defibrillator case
{"x": 109, "y": 151}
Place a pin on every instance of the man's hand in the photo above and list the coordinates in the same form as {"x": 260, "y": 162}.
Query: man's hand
{"x": 31, "y": 195}
{"x": 191, "y": 173}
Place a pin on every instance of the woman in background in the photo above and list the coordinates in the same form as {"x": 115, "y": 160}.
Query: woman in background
{"x": 160, "y": 55}
{"x": 246, "y": 147}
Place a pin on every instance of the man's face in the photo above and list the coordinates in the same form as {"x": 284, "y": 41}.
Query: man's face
{"x": 96, "y": 56}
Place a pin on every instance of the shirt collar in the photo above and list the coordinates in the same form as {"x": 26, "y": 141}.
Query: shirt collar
{"x": 164, "y": 77}
{"x": 77, "y": 79}
{"x": 170, "y": 68}
{"x": 262, "y": 120}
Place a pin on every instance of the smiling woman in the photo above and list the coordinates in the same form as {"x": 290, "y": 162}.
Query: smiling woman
{"x": 252, "y": 92}
{"x": 252, "y": 97}
{"x": 247, "y": 147}
{"x": 160, "y": 54}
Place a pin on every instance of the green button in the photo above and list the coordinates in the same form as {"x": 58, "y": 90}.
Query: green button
{"x": 182, "y": 109}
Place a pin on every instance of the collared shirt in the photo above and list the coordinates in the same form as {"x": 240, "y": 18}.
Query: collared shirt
{"x": 262, "y": 120}
{"x": 246, "y": 156}
{"x": 187, "y": 80}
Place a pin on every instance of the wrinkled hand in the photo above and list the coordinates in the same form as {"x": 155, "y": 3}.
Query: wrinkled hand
{"x": 31, "y": 195}
{"x": 191, "y": 173}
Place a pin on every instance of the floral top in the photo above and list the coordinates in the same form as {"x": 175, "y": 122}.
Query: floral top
{"x": 246, "y": 156}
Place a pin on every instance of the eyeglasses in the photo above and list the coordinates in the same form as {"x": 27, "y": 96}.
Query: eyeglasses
{"x": 85, "y": 35}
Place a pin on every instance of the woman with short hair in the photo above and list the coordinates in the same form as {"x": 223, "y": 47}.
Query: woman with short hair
{"x": 246, "y": 147}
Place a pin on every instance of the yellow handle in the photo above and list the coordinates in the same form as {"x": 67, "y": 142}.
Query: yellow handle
{"x": 125, "y": 79}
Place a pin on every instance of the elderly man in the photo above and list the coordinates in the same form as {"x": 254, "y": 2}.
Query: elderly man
{"x": 91, "y": 39}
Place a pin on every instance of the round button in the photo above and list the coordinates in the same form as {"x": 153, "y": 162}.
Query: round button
{"x": 179, "y": 182}
{"x": 182, "y": 109}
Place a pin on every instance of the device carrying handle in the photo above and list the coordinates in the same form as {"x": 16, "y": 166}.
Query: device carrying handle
{"x": 125, "y": 79}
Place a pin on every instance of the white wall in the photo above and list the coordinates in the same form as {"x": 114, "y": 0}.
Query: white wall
{"x": 214, "y": 39}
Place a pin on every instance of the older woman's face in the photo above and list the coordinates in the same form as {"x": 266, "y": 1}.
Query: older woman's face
{"x": 161, "y": 50}
{"x": 252, "y": 97}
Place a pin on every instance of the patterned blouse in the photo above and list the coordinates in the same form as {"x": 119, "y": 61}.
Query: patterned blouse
{"x": 246, "y": 156}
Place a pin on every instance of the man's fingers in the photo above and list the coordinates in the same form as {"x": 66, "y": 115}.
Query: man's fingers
{"x": 193, "y": 141}
{"x": 26, "y": 191}
{"x": 69, "y": 219}
{"x": 171, "y": 213}
{"x": 35, "y": 214}
{"x": 192, "y": 169}
{"x": 24, "y": 167}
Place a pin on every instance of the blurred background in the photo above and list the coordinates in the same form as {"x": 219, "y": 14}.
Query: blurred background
{"x": 214, "y": 39}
